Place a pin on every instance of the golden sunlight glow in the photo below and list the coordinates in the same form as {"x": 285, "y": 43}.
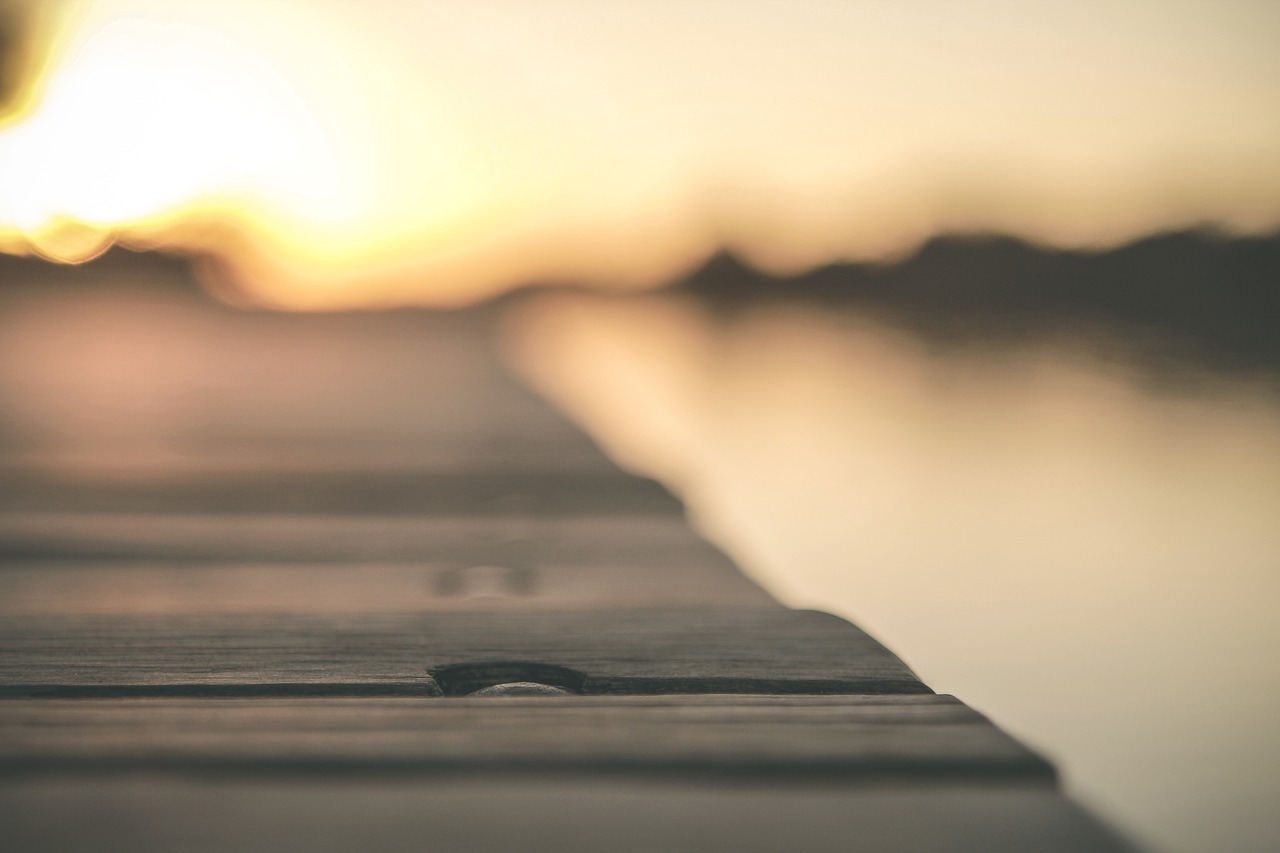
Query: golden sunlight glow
{"x": 146, "y": 118}
{"x": 330, "y": 154}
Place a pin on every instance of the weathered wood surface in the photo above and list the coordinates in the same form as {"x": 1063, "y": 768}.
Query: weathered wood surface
{"x": 553, "y": 814}
{"x": 121, "y": 563}
{"x": 380, "y": 493}
{"x": 122, "y": 370}
{"x": 666, "y": 650}
{"x": 75, "y": 589}
{"x": 641, "y": 541}
{"x": 929, "y": 738}
{"x": 254, "y": 569}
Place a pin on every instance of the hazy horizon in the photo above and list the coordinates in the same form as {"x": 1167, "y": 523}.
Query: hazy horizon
{"x": 436, "y": 153}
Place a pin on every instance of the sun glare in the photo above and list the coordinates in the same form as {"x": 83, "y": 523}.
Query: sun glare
{"x": 145, "y": 122}
{"x": 332, "y": 154}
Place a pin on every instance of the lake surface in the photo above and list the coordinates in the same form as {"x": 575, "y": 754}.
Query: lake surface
{"x": 1078, "y": 547}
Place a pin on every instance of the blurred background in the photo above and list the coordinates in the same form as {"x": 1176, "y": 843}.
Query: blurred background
{"x": 958, "y": 319}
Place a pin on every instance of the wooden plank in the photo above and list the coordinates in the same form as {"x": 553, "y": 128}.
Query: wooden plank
{"x": 383, "y": 493}
{"x": 639, "y": 540}
{"x": 138, "y": 373}
{"x": 934, "y": 738}
{"x": 537, "y": 814}
{"x": 77, "y": 589}
{"x": 71, "y": 563}
{"x": 667, "y": 650}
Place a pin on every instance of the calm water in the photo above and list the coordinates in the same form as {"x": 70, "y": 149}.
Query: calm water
{"x": 1089, "y": 558}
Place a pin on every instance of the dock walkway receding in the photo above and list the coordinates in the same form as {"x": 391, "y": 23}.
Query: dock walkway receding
{"x": 283, "y": 582}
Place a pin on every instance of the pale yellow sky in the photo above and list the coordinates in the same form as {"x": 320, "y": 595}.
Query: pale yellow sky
{"x": 342, "y": 153}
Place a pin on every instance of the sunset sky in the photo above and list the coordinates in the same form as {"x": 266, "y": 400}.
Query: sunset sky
{"x": 335, "y": 154}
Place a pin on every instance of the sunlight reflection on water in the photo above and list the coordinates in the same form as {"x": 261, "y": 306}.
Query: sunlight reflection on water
{"x": 1087, "y": 557}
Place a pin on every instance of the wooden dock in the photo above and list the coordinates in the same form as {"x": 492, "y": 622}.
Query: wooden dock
{"x": 274, "y": 582}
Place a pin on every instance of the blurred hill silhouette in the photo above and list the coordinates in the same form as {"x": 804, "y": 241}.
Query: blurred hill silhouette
{"x": 1194, "y": 296}
{"x": 115, "y": 267}
{"x": 1190, "y": 298}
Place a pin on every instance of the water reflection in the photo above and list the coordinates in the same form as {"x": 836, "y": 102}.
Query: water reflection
{"x": 1088, "y": 557}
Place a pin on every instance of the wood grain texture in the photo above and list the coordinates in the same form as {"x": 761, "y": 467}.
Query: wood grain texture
{"x": 535, "y": 815}
{"x": 272, "y": 537}
{"x": 667, "y": 650}
{"x": 114, "y": 563}
{"x": 384, "y": 493}
{"x": 929, "y": 738}
{"x": 71, "y": 589}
